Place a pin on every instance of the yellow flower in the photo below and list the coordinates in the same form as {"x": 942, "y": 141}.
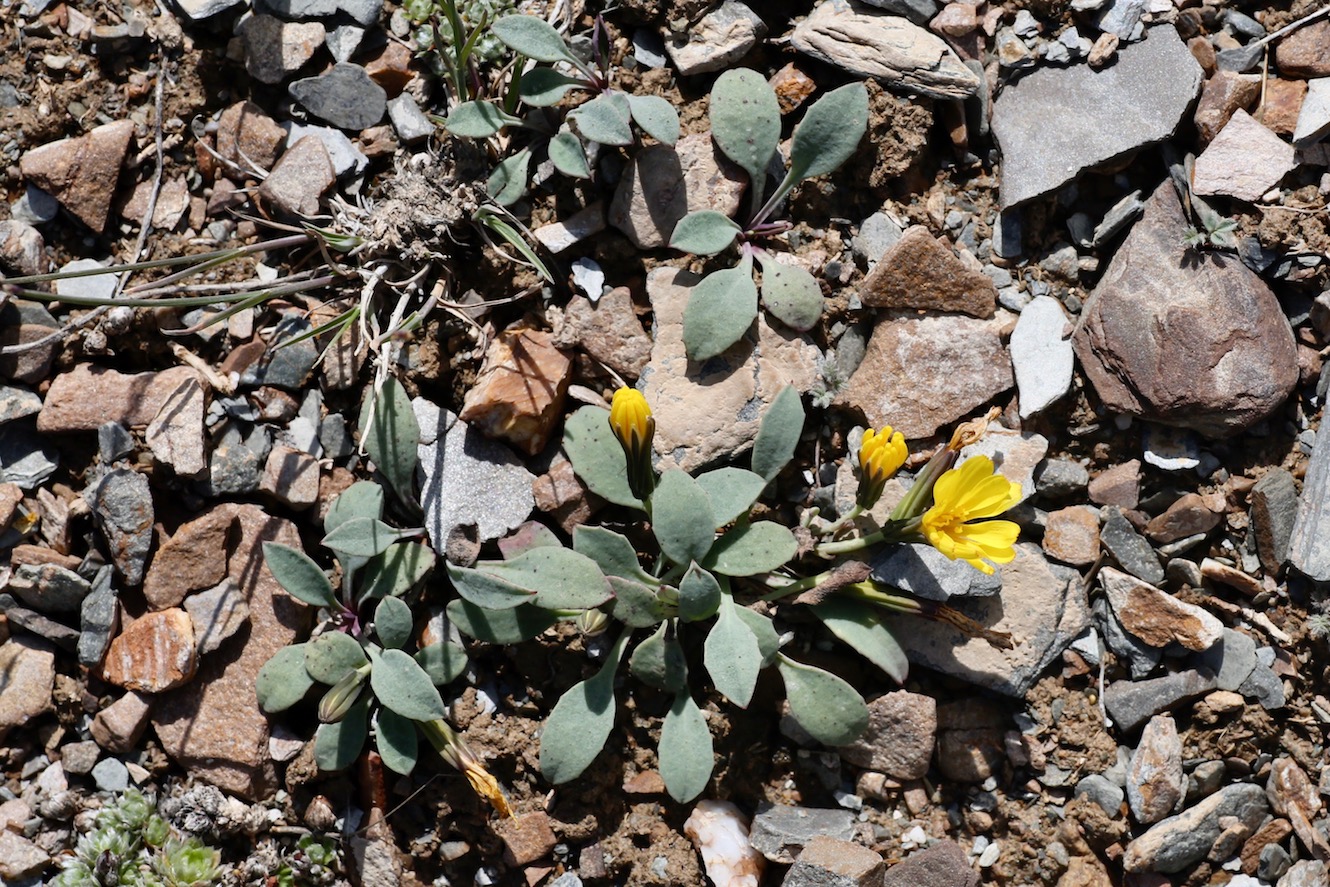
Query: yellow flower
{"x": 881, "y": 454}
{"x": 633, "y": 425}
{"x": 962, "y": 498}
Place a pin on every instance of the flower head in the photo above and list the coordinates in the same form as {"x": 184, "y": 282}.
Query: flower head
{"x": 881, "y": 454}
{"x": 957, "y": 524}
{"x": 633, "y": 425}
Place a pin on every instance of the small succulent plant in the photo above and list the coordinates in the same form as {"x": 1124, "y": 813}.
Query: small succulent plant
{"x": 745, "y": 124}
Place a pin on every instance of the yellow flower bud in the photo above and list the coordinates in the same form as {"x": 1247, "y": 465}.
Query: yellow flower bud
{"x": 881, "y": 454}
{"x": 633, "y": 425}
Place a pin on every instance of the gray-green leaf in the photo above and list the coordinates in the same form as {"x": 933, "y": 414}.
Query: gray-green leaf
{"x": 393, "y": 622}
{"x": 635, "y": 604}
{"x": 768, "y": 641}
{"x": 860, "y": 626}
{"x": 402, "y": 685}
{"x": 686, "y": 756}
{"x": 559, "y": 578}
{"x": 393, "y": 439}
{"x": 397, "y": 741}
{"x": 337, "y": 745}
{"x": 568, "y": 156}
{"x": 827, "y": 707}
{"x": 681, "y": 518}
{"x": 699, "y": 595}
{"x": 577, "y": 728}
{"x": 511, "y": 626}
{"x": 749, "y": 549}
{"x": 732, "y": 655}
{"x": 283, "y": 680}
{"x": 477, "y": 120}
{"x": 604, "y": 119}
{"x": 299, "y": 575}
{"x": 720, "y": 310}
{"x": 331, "y": 655}
{"x": 362, "y": 499}
{"x": 597, "y": 456}
{"x": 612, "y": 551}
{"x": 542, "y": 87}
{"x": 829, "y": 133}
{"x": 656, "y": 117}
{"x": 704, "y": 233}
{"x": 745, "y": 121}
{"x": 792, "y": 295}
{"x": 443, "y": 661}
{"x": 532, "y": 37}
{"x": 659, "y": 662}
{"x": 732, "y": 491}
{"x": 507, "y": 182}
{"x": 396, "y": 571}
{"x": 361, "y": 537}
{"x": 779, "y": 434}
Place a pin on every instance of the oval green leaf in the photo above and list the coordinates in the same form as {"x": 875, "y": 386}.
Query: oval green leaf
{"x": 402, "y": 685}
{"x": 659, "y": 662}
{"x": 331, "y": 655}
{"x": 720, "y": 310}
{"x": 597, "y": 456}
{"x": 611, "y": 551}
{"x": 823, "y": 704}
{"x": 791, "y": 295}
{"x": 860, "y": 626}
{"x": 477, "y": 120}
{"x": 484, "y": 589}
{"x": 604, "y": 119}
{"x": 300, "y": 576}
{"x": 568, "y": 156}
{"x": 699, "y": 595}
{"x": 507, "y": 183}
{"x": 443, "y": 661}
{"x": 283, "y": 680}
{"x": 829, "y": 133}
{"x": 768, "y": 641}
{"x": 511, "y": 626}
{"x": 681, "y": 518}
{"x": 685, "y": 751}
{"x": 656, "y": 117}
{"x": 362, "y": 499}
{"x": 396, "y": 738}
{"x": 393, "y": 438}
{"x": 779, "y": 433}
{"x": 542, "y": 87}
{"x": 732, "y": 655}
{"x": 395, "y": 572}
{"x": 635, "y": 604}
{"x": 337, "y": 745}
{"x": 393, "y": 622}
{"x": 749, "y": 549}
{"x": 532, "y": 37}
{"x": 745, "y": 121}
{"x": 361, "y": 537}
{"x": 732, "y": 491}
{"x": 704, "y": 233}
{"x": 581, "y": 721}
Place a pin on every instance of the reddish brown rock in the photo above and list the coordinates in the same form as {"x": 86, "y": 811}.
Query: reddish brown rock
{"x": 1186, "y": 517}
{"x": 1283, "y": 103}
{"x": 82, "y": 172}
{"x": 117, "y": 727}
{"x": 526, "y": 838}
{"x": 519, "y": 394}
{"x": 828, "y": 860}
{"x": 943, "y": 864}
{"x": 1244, "y": 161}
{"x": 955, "y": 364}
{"x": 1305, "y": 52}
{"x": 792, "y": 87}
{"x": 1273, "y": 832}
{"x": 1071, "y": 535}
{"x": 1188, "y": 339}
{"x": 1155, "y": 616}
{"x": 11, "y": 495}
{"x": 1155, "y": 781}
{"x": 213, "y": 727}
{"x": 274, "y": 48}
{"x": 249, "y": 138}
{"x": 193, "y": 558}
{"x": 1224, "y": 93}
{"x": 1292, "y": 794}
{"x": 27, "y": 677}
{"x": 391, "y": 68}
{"x": 561, "y": 494}
{"x": 1119, "y": 486}
{"x": 920, "y": 272}
{"x": 300, "y": 179}
{"x": 155, "y": 653}
{"x": 608, "y": 330}
{"x": 176, "y": 434}
{"x": 1204, "y": 52}
{"x": 87, "y": 397}
{"x": 902, "y": 728}
{"x": 22, "y": 248}
{"x": 291, "y": 476}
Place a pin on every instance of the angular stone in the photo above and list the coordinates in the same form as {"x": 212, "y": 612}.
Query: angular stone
{"x": 49, "y": 588}
{"x": 1282, "y": 104}
{"x": 1131, "y": 703}
{"x": 1185, "y": 839}
{"x": 1071, "y": 535}
{"x": 720, "y": 833}
{"x": 20, "y": 858}
{"x": 920, "y": 272}
{"x": 1190, "y": 515}
{"x": 1314, "y": 116}
{"x": 176, "y": 435}
{"x": 899, "y": 54}
{"x": 662, "y": 184}
{"x": 567, "y": 233}
{"x": 81, "y": 172}
{"x": 717, "y": 40}
{"x": 117, "y": 727}
{"x": 1159, "y": 336}
{"x": 192, "y": 559}
{"x": 526, "y": 839}
{"x": 1155, "y": 781}
{"x": 1041, "y": 355}
{"x": 275, "y": 49}
{"x": 518, "y": 396}
{"x": 1305, "y": 52}
{"x": 962, "y": 358}
{"x": 458, "y": 460}
{"x": 1309, "y": 545}
{"x": 409, "y": 122}
{"x": 363, "y": 12}
{"x": 1224, "y": 93}
{"x": 291, "y": 477}
{"x": 1101, "y": 115}
{"x": 608, "y": 330}
{"x": 1244, "y": 161}
{"x": 26, "y": 323}
{"x": 1042, "y": 606}
{"x": 345, "y": 97}
{"x": 780, "y": 832}
{"x": 1291, "y": 793}
{"x": 300, "y": 179}
{"x": 1016, "y": 454}
{"x": 87, "y": 397}
{"x": 944, "y": 864}
{"x": 213, "y": 727}
{"x": 831, "y": 862}
{"x": 1307, "y": 873}
{"x": 1274, "y": 506}
{"x": 921, "y": 570}
{"x": 155, "y": 653}
{"x": 711, "y": 411}
{"x": 1120, "y": 539}
{"x": 99, "y": 621}
{"x": 123, "y": 510}
{"x": 1119, "y": 486}
{"x": 902, "y": 729}
{"x": 248, "y": 137}
{"x": 217, "y": 614}
{"x": 28, "y": 666}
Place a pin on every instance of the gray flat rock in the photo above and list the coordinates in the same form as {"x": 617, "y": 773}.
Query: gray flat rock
{"x": 779, "y": 832}
{"x": 1314, "y": 116}
{"x": 1131, "y": 703}
{"x": 717, "y": 40}
{"x": 1179, "y": 841}
{"x": 1041, "y": 354}
{"x": 925, "y": 572}
{"x": 1309, "y": 545}
{"x": 896, "y": 52}
{"x": 1056, "y": 123}
{"x": 345, "y": 96}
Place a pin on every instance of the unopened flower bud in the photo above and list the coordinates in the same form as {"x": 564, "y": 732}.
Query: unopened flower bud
{"x": 881, "y": 454}
{"x": 633, "y": 425}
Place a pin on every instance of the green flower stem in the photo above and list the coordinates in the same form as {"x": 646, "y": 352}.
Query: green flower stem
{"x": 896, "y": 530}
{"x": 831, "y": 529}
{"x": 921, "y": 492}
{"x": 795, "y": 587}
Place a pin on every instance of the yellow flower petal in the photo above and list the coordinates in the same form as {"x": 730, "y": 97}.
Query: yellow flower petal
{"x": 956, "y": 524}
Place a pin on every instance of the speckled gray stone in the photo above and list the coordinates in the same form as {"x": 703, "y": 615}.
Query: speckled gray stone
{"x": 779, "y": 832}
{"x": 1129, "y": 547}
{"x": 1179, "y": 841}
{"x": 1309, "y": 546}
{"x": 345, "y": 96}
{"x": 1131, "y": 703}
{"x": 925, "y": 572}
